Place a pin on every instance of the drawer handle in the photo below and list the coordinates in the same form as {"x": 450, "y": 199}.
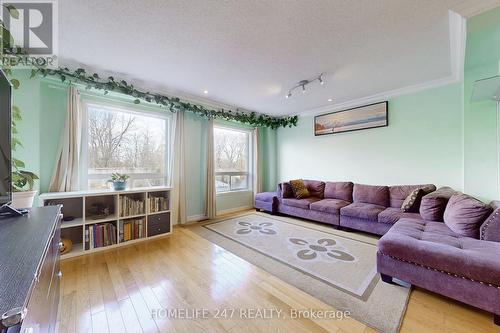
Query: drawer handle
{"x": 13, "y": 316}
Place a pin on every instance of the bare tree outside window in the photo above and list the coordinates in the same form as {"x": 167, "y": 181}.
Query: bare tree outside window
{"x": 125, "y": 142}
{"x": 231, "y": 150}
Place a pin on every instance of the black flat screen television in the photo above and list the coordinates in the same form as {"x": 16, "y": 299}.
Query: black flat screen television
{"x": 5, "y": 140}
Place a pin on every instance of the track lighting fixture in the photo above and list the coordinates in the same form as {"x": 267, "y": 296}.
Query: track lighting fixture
{"x": 303, "y": 83}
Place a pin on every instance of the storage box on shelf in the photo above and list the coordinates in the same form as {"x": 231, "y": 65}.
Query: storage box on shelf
{"x": 97, "y": 220}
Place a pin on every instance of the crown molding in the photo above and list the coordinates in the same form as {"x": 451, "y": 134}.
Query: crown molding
{"x": 457, "y": 29}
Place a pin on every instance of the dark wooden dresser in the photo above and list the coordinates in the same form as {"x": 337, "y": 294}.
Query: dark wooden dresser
{"x": 29, "y": 271}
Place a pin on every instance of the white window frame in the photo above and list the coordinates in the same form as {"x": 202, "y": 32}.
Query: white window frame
{"x": 122, "y": 108}
{"x": 250, "y": 161}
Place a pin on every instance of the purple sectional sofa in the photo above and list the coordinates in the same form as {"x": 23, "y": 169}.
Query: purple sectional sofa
{"x": 459, "y": 258}
{"x": 431, "y": 255}
{"x": 368, "y": 208}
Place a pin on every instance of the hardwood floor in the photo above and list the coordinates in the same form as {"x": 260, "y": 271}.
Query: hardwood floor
{"x": 117, "y": 291}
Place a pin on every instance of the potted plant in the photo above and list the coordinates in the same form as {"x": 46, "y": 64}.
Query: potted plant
{"x": 119, "y": 181}
{"x": 23, "y": 181}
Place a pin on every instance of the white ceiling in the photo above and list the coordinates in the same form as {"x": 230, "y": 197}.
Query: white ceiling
{"x": 249, "y": 53}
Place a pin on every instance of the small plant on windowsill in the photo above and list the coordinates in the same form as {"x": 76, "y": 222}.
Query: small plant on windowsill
{"x": 119, "y": 181}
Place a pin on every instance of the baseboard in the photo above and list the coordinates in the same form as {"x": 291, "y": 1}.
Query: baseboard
{"x": 233, "y": 210}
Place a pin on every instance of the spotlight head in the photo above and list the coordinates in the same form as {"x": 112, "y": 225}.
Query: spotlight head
{"x": 303, "y": 88}
{"x": 320, "y": 79}
{"x": 288, "y": 95}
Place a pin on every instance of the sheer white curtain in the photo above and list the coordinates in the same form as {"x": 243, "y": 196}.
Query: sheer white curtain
{"x": 257, "y": 173}
{"x": 66, "y": 176}
{"x": 210, "y": 204}
{"x": 178, "y": 176}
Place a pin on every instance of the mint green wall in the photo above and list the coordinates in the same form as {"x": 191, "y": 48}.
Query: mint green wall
{"x": 268, "y": 159}
{"x": 53, "y": 101}
{"x": 481, "y": 167}
{"x": 422, "y": 144}
{"x": 27, "y": 98}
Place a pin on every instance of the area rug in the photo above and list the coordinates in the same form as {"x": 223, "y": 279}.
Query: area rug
{"x": 334, "y": 266}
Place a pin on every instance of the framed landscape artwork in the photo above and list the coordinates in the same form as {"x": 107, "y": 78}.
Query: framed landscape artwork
{"x": 363, "y": 117}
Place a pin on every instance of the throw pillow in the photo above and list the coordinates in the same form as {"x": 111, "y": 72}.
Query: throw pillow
{"x": 286, "y": 190}
{"x": 299, "y": 189}
{"x": 465, "y": 214}
{"x": 410, "y": 202}
{"x": 433, "y": 205}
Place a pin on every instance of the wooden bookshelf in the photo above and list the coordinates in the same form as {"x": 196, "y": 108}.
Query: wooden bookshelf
{"x": 85, "y": 211}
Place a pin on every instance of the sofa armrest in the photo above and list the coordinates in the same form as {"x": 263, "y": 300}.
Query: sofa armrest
{"x": 490, "y": 229}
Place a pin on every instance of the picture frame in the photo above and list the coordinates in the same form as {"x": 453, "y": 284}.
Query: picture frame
{"x": 354, "y": 119}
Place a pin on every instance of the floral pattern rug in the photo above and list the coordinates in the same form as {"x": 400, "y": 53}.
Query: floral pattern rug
{"x": 335, "y": 266}
{"x": 340, "y": 261}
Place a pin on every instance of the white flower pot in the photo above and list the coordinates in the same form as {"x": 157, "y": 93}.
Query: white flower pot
{"x": 23, "y": 199}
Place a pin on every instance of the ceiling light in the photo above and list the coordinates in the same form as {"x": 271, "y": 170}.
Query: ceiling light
{"x": 205, "y": 92}
{"x": 330, "y": 100}
{"x": 303, "y": 83}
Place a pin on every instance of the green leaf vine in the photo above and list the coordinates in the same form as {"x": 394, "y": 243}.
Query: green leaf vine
{"x": 174, "y": 104}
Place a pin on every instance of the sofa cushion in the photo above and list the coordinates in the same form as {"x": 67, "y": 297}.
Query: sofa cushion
{"x": 331, "y": 206}
{"x": 391, "y": 215}
{"x": 433, "y": 204}
{"x": 339, "y": 190}
{"x": 399, "y": 193}
{"x": 265, "y": 196}
{"x": 411, "y": 200}
{"x": 300, "y": 203}
{"x": 465, "y": 214}
{"x": 362, "y": 210}
{"x": 490, "y": 229}
{"x": 434, "y": 245}
{"x": 299, "y": 189}
{"x": 316, "y": 188}
{"x": 286, "y": 190}
{"x": 372, "y": 194}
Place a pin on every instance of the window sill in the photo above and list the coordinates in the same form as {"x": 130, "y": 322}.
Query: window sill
{"x": 229, "y": 193}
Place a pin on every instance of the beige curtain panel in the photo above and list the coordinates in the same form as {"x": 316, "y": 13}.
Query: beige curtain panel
{"x": 257, "y": 173}
{"x": 66, "y": 176}
{"x": 210, "y": 204}
{"x": 178, "y": 177}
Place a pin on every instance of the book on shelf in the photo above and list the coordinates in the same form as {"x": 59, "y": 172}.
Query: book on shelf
{"x": 130, "y": 206}
{"x": 99, "y": 235}
{"x": 132, "y": 229}
{"x": 158, "y": 204}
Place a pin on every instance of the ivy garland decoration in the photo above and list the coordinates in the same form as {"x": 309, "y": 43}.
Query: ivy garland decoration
{"x": 173, "y": 104}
